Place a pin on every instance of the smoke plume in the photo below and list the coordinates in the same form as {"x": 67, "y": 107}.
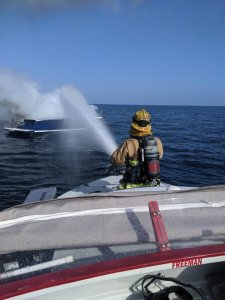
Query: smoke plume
{"x": 22, "y": 98}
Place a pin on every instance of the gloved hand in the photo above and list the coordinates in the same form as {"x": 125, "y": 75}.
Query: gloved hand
{"x": 115, "y": 170}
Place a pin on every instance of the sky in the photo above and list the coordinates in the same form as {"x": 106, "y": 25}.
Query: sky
{"x": 153, "y": 52}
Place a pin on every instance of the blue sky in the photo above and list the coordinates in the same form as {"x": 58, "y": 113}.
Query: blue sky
{"x": 150, "y": 52}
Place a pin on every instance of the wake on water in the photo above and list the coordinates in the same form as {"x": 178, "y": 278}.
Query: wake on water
{"x": 22, "y": 98}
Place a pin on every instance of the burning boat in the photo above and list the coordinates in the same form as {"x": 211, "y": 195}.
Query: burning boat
{"x": 32, "y": 126}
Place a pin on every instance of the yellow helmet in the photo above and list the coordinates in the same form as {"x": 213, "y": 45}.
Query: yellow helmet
{"x": 141, "y": 123}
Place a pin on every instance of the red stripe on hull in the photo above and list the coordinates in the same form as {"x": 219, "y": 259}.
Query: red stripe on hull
{"x": 76, "y": 274}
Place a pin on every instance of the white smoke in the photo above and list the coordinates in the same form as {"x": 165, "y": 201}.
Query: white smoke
{"x": 19, "y": 95}
{"x": 22, "y": 98}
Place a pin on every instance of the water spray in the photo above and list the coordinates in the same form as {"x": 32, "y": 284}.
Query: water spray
{"x": 22, "y": 97}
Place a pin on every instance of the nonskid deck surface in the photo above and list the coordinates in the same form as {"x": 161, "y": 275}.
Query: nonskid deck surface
{"x": 111, "y": 184}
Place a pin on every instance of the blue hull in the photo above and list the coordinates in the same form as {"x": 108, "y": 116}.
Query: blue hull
{"x": 42, "y": 126}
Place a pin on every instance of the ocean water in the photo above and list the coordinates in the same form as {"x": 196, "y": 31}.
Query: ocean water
{"x": 193, "y": 140}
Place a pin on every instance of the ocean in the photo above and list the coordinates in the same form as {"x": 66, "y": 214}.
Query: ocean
{"x": 194, "y": 152}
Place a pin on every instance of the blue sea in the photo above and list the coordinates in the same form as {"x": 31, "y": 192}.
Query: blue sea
{"x": 194, "y": 152}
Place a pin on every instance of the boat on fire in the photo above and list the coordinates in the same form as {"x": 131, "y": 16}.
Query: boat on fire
{"x": 33, "y": 126}
{"x": 115, "y": 244}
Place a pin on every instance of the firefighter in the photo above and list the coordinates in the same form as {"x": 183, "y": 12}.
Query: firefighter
{"x": 140, "y": 154}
